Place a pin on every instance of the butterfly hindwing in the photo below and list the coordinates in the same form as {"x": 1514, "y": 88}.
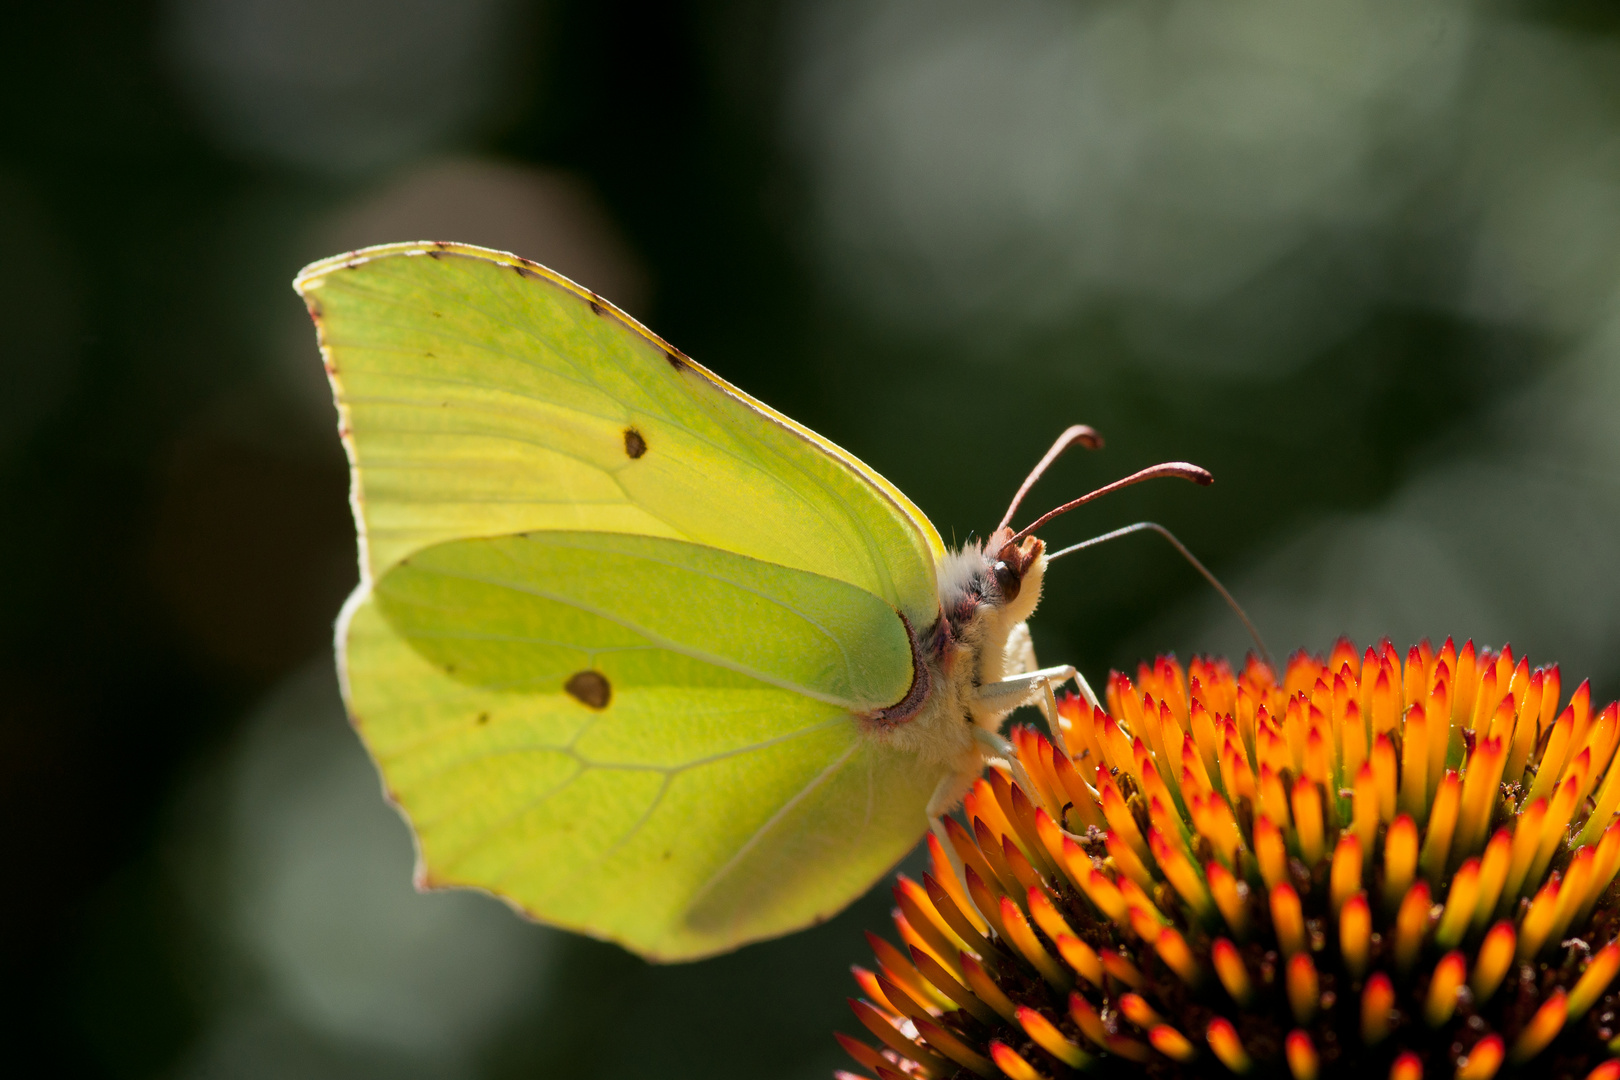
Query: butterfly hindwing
{"x": 678, "y": 789}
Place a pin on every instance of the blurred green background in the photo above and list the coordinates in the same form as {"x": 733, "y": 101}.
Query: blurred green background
{"x": 1358, "y": 257}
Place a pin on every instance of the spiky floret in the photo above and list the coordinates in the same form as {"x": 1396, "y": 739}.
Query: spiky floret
{"x": 1397, "y": 867}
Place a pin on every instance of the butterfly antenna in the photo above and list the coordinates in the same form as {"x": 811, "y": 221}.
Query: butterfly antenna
{"x": 1083, "y": 434}
{"x": 1183, "y": 469}
{"x": 1153, "y": 526}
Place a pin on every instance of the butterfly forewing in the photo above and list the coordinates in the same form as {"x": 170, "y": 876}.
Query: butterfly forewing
{"x": 484, "y": 396}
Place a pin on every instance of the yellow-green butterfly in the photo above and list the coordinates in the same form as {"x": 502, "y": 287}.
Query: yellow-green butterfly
{"x": 632, "y": 650}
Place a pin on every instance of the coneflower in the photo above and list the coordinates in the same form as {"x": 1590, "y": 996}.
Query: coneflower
{"x": 1397, "y": 868}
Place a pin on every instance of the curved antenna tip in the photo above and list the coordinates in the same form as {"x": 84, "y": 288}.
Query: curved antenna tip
{"x": 1185, "y": 470}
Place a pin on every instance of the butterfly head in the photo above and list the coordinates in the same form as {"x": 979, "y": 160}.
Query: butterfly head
{"x": 1012, "y": 560}
{"x": 1016, "y": 565}
{"x": 987, "y": 589}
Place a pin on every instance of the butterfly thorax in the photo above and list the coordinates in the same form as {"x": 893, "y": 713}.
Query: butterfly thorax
{"x": 986, "y": 591}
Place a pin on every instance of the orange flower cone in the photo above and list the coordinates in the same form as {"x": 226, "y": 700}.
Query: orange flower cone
{"x": 1378, "y": 866}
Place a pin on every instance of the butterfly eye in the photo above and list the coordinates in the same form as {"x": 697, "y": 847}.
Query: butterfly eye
{"x": 1008, "y": 580}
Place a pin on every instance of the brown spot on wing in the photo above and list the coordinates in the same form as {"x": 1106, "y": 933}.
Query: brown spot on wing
{"x": 596, "y": 304}
{"x": 634, "y": 444}
{"x": 589, "y": 688}
{"x": 676, "y": 360}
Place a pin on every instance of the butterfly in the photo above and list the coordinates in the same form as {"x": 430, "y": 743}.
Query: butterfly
{"x": 630, "y": 649}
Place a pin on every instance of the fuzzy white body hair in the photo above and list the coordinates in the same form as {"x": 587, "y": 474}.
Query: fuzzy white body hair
{"x": 980, "y": 639}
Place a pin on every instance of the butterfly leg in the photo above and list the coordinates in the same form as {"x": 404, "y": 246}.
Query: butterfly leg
{"x": 1036, "y": 687}
{"x": 1003, "y": 696}
{"x": 1020, "y": 653}
{"x": 1025, "y": 689}
{"x": 1021, "y": 658}
{"x": 1058, "y": 726}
